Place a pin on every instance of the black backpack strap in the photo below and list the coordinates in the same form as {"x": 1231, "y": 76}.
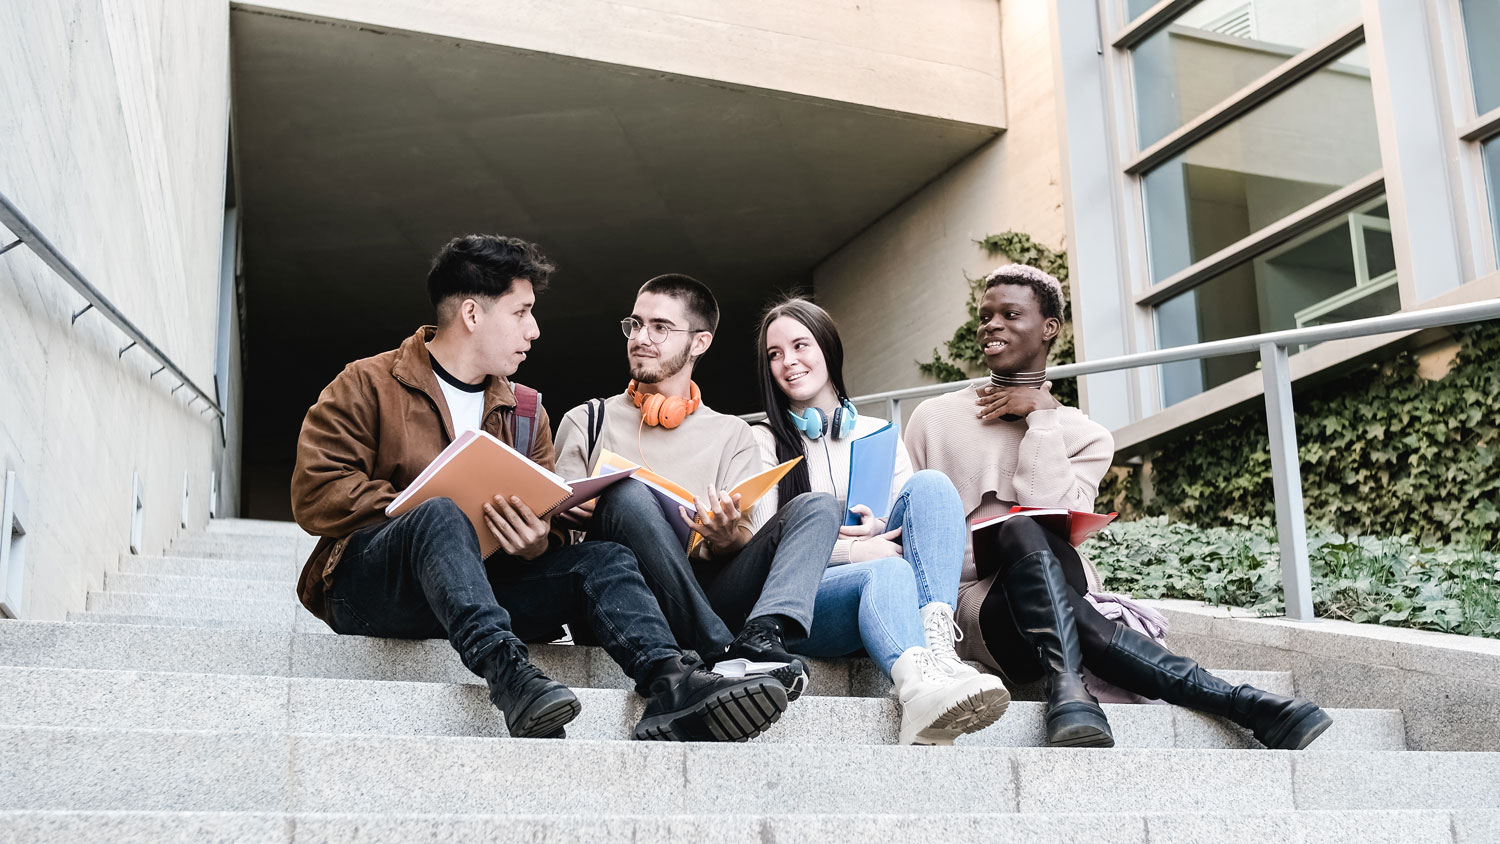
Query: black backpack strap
{"x": 595, "y": 424}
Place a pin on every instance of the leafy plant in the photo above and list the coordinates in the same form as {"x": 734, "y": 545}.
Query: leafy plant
{"x": 1397, "y": 581}
{"x": 964, "y": 360}
{"x": 1384, "y": 451}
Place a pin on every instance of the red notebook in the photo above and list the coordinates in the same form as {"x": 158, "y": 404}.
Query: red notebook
{"x": 1075, "y": 525}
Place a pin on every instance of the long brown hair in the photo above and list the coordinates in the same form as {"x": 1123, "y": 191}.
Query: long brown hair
{"x": 777, "y": 406}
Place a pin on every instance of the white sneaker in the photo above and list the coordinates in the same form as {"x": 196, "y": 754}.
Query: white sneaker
{"x": 937, "y": 707}
{"x": 941, "y": 632}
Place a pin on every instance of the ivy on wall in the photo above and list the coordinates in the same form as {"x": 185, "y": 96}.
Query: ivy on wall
{"x": 1384, "y": 451}
{"x": 963, "y": 360}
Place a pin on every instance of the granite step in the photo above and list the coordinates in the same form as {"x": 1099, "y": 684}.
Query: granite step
{"x": 230, "y": 650}
{"x": 1325, "y": 827}
{"x": 283, "y": 612}
{"x": 253, "y": 527}
{"x": 228, "y": 547}
{"x": 204, "y": 587}
{"x": 101, "y": 769}
{"x": 59, "y": 697}
{"x": 284, "y": 573}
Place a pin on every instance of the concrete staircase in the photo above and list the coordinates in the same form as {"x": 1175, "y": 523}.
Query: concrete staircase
{"x": 193, "y": 699}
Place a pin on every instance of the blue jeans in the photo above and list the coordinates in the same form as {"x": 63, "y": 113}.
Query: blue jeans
{"x": 420, "y": 576}
{"x": 877, "y": 604}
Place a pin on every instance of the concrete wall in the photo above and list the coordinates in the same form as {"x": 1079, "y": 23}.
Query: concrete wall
{"x": 939, "y": 58}
{"x": 113, "y": 122}
{"x": 898, "y": 289}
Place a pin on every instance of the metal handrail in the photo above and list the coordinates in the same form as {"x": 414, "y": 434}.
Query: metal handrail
{"x": 1286, "y": 467}
{"x": 28, "y": 234}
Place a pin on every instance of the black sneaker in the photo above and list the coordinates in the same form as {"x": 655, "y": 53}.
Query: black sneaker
{"x": 690, "y": 703}
{"x": 759, "y": 650}
{"x": 535, "y": 705}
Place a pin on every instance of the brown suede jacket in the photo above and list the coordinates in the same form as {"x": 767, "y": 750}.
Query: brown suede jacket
{"x": 372, "y": 431}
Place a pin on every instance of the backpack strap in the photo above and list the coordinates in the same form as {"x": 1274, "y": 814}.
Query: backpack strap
{"x": 595, "y": 424}
{"x": 523, "y": 418}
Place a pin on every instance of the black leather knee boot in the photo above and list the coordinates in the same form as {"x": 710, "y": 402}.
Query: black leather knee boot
{"x": 1138, "y": 663}
{"x": 1037, "y": 592}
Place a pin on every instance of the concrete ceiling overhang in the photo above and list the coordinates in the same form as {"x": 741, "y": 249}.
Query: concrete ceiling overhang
{"x": 360, "y": 152}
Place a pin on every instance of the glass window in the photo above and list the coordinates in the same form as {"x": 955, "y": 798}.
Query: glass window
{"x": 1136, "y": 8}
{"x": 1217, "y": 47}
{"x": 1344, "y": 269}
{"x": 1307, "y": 142}
{"x": 1482, "y": 26}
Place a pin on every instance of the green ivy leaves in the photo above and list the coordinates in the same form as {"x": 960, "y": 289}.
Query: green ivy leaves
{"x": 1364, "y": 579}
{"x": 1384, "y": 452}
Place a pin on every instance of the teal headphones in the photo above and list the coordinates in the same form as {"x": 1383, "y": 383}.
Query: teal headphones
{"x": 814, "y": 424}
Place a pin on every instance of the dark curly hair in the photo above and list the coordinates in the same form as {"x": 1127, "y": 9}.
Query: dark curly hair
{"x": 484, "y": 266}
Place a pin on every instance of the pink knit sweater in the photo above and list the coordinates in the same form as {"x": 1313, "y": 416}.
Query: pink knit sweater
{"x": 1052, "y": 458}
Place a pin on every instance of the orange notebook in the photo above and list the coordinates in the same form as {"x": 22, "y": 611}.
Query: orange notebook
{"x": 476, "y": 466}
{"x": 1074, "y": 525}
{"x": 671, "y": 495}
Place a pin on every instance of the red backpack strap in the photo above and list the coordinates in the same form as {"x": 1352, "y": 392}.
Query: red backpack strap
{"x": 523, "y": 418}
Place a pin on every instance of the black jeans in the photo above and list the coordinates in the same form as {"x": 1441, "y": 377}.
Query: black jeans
{"x": 420, "y": 576}
{"x": 1020, "y": 537}
{"x": 776, "y": 573}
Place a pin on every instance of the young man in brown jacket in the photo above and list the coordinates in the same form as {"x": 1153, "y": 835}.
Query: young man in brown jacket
{"x": 420, "y": 575}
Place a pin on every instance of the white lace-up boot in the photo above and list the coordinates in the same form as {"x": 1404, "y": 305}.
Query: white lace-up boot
{"x": 937, "y": 707}
{"x": 941, "y": 632}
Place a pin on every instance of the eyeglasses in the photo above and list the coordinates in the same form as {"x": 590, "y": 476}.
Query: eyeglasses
{"x": 656, "y": 333}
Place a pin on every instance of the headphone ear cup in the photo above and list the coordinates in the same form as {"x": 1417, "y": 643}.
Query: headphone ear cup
{"x": 650, "y": 408}
{"x": 672, "y": 412}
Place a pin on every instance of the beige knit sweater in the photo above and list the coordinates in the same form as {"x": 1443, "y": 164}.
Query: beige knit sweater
{"x": 1052, "y": 458}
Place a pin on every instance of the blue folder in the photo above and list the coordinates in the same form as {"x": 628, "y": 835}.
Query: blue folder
{"x": 872, "y": 466}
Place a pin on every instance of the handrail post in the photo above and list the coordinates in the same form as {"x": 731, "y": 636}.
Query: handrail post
{"x": 1286, "y": 479}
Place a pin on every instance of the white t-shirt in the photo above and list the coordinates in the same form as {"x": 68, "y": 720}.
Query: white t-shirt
{"x": 465, "y": 401}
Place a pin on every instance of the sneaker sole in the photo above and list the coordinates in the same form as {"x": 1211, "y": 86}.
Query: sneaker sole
{"x": 547, "y": 715}
{"x": 793, "y": 676}
{"x": 969, "y": 715}
{"x": 739, "y": 713}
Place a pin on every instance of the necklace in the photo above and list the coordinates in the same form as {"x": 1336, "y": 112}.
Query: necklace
{"x": 1019, "y": 379}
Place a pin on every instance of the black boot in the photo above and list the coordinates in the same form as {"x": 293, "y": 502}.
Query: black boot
{"x": 1035, "y": 588}
{"x": 687, "y": 702}
{"x": 535, "y": 705}
{"x": 1138, "y": 663}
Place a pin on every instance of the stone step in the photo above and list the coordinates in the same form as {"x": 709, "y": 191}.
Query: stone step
{"x": 218, "y": 771}
{"x": 224, "y": 547}
{"x": 58, "y": 697}
{"x": 282, "y": 612}
{"x": 253, "y": 527}
{"x": 230, "y": 650}
{"x": 283, "y": 573}
{"x": 303, "y": 623}
{"x": 204, "y": 587}
{"x": 1325, "y": 827}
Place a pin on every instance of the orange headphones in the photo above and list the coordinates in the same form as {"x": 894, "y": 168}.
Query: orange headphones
{"x": 665, "y": 411}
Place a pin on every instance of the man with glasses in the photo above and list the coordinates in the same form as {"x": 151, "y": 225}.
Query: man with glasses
{"x": 760, "y": 585}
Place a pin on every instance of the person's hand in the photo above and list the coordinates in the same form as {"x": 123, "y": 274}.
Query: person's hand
{"x": 580, "y": 516}
{"x": 868, "y": 525}
{"x": 717, "y": 516}
{"x": 520, "y": 532}
{"x": 995, "y": 402}
{"x": 876, "y": 547}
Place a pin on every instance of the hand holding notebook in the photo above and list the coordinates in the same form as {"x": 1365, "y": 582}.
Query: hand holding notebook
{"x": 670, "y": 496}
{"x": 476, "y": 467}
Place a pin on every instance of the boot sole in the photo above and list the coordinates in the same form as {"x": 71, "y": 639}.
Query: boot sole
{"x": 738, "y": 713}
{"x": 1079, "y": 728}
{"x": 546, "y": 716}
{"x": 968, "y": 715}
{"x": 1298, "y": 734}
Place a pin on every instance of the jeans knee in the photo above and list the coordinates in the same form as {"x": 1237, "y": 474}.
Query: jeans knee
{"x": 627, "y": 497}
{"x": 934, "y": 486}
{"x": 819, "y": 506}
{"x": 895, "y": 576}
{"x": 441, "y": 514}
